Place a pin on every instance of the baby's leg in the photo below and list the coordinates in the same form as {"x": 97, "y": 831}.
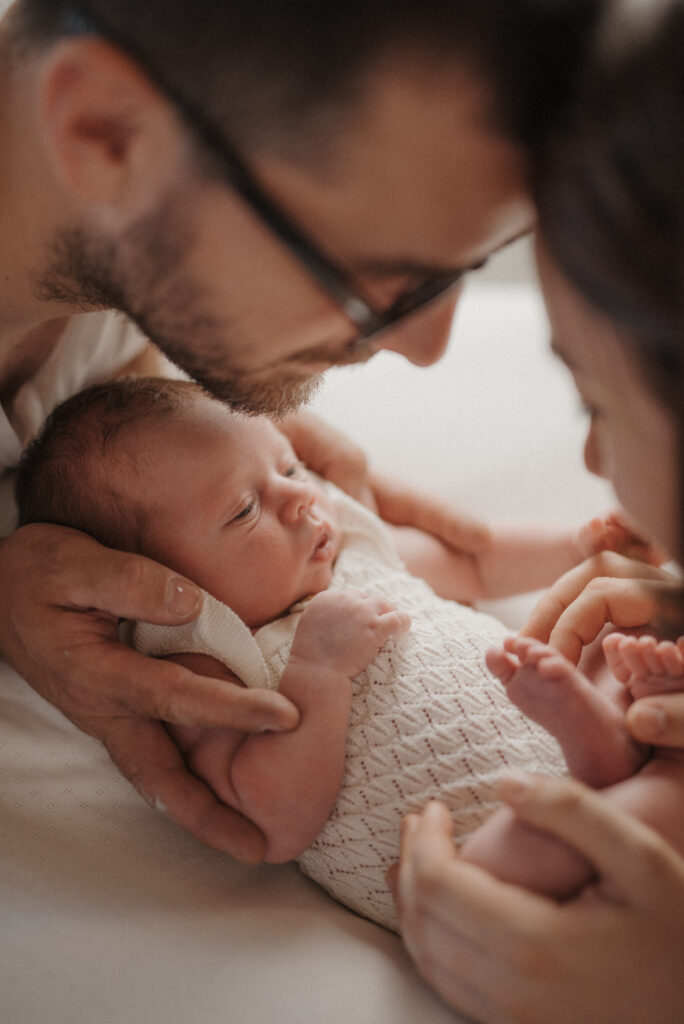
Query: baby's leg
{"x": 645, "y": 665}
{"x": 523, "y": 856}
{"x": 551, "y": 691}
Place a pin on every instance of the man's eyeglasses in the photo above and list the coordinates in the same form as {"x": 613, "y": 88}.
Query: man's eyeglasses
{"x": 367, "y": 318}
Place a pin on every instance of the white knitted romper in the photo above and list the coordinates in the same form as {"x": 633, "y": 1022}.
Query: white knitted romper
{"x": 427, "y": 717}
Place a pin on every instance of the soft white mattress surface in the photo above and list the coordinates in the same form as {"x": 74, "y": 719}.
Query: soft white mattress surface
{"x": 109, "y": 914}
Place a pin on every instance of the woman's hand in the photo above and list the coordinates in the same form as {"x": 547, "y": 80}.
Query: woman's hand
{"x": 506, "y": 956}
{"x": 608, "y": 588}
{"x": 60, "y": 602}
{"x": 612, "y": 589}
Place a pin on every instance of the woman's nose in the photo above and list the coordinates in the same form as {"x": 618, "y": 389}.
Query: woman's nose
{"x": 298, "y": 496}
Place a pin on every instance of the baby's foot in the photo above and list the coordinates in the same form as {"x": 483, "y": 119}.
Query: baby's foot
{"x": 645, "y": 665}
{"x": 612, "y": 532}
{"x": 551, "y": 691}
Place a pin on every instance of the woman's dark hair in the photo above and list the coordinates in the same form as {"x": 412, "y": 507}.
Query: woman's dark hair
{"x": 265, "y": 69}
{"x": 610, "y": 190}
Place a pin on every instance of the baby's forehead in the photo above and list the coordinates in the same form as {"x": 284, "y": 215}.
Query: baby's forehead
{"x": 236, "y": 429}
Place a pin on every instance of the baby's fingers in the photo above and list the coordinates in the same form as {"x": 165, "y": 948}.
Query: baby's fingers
{"x": 395, "y": 622}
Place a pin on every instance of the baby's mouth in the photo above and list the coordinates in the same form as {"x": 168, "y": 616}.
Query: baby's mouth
{"x": 324, "y": 548}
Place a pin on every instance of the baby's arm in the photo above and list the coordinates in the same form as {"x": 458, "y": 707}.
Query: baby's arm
{"x": 516, "y": 559}
{"x": 287, "y": 783}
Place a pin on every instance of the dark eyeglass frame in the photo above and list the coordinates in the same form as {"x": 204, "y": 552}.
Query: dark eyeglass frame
{"x": 366, "y": 317}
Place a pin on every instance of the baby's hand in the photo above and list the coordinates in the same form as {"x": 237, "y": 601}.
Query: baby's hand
{"x": 345, "y": 629}
{"x": 612, "y": 532}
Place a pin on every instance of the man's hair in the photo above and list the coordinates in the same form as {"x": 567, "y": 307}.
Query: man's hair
{"x": 78, "y": 473}
{"x": 266, "y": 71}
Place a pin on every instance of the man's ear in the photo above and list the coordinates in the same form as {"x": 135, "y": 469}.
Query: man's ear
{"x": 110, "y": 135}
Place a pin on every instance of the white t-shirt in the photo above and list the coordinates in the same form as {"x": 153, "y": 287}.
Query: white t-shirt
{"x": 92, "y": 347}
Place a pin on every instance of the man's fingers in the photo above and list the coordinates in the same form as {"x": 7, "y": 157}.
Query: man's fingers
{"x": 146, "y": 755}
{"x": 133, "y": 587}
{"x": 163, "y": 690}
{"x": 626, "y": 854}
{"x": 77, "y": 572}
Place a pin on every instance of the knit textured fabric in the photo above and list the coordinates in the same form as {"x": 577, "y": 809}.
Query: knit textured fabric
{"x": 427, "y": 718}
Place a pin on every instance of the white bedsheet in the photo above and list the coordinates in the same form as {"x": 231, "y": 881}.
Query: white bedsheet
{"x": 111, "y": 915}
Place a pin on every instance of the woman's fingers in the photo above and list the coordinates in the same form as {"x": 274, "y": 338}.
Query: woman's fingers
{"x": 629, "y": 857}
{"x": 658, "y": 720}
{"x": 434, "y": 884}
{"x": 607, "y": 588}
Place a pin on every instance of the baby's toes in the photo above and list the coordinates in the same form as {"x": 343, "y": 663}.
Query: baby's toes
{"x": 616, "y": 663}
{"x": 633, "y": 657}
{"x": 527, "y": 649}
{"x": 554, "y": 667}
{"x": 501, "y": 664}
{"x": 673, "y": 659}
{"x": 652, "y": 657}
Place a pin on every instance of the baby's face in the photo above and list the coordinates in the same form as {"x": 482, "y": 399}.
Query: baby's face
{"x": 236, "y": 512}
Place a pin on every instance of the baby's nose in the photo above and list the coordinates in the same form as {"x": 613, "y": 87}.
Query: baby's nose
{"x": 299, "y": 498}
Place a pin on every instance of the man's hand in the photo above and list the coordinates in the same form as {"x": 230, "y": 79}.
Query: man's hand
{"x": 62, "y": 597}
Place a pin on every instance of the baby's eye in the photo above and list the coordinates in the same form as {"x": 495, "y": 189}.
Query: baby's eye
{"x": 244, "y": 512}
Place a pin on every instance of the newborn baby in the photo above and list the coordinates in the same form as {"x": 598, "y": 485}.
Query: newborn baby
{"x": 308, "y": 591}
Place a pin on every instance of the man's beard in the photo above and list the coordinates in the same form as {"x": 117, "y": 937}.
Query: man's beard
{"x": 142, "y": 277}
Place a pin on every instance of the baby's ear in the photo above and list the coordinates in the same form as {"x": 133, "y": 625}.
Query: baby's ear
{"x": 205, "y": 665}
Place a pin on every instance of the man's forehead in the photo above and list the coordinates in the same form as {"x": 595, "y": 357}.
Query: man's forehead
{"x": 422, "y": 176}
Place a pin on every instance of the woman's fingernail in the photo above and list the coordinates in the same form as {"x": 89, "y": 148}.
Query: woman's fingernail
{"x": 514, "y": 786}
{"x": 182, "y": 598}
{"x": 648, "y": 721}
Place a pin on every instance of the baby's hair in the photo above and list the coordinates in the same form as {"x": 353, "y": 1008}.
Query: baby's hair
{"x": 76, "y": 472}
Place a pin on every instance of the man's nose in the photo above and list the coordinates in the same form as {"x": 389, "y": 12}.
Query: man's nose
{"x": 423, "y": 337}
